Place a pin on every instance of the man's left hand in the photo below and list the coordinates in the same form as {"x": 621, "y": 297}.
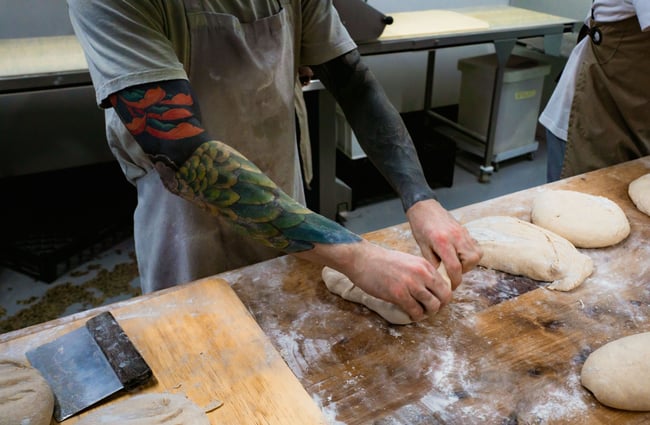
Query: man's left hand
{"x": 442, "y": 238}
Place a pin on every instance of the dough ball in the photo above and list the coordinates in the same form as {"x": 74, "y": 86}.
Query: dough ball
{"x": 618, "y": 373}
{"x": 148, "y": 409}
{"x": 25, "y": 396}
{"x": 587, "y": 221}
{"x": 520, "y": 248}
{"x": 339, "y": 284}
{"x": 639, "y": 191}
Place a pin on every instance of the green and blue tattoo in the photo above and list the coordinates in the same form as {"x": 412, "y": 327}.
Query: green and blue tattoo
{"x": 165, "y": 121}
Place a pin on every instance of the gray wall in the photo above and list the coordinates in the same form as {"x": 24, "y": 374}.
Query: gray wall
{"x": 34, "y": 18}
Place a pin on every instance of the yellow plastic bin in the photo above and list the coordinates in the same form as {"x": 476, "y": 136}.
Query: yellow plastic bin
{"x": 519, "y": 105}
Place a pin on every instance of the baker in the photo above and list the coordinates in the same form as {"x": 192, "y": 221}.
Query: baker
{"x": 598, "y": 114}
{"x": 199, "y": 98}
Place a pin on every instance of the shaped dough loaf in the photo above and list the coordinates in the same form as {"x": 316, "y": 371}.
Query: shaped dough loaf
{"x": 339, "y": 284}
{"x": 618, "y": 373}
{"x": 639, "y": 192}
{"x": 148, "y": 409}
{"x": 25, "y": 396}
{"x": 587, "y": 221}
{"x": 517, "y": 247}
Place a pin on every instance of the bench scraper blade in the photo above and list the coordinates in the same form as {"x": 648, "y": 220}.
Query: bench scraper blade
{"x": 88, "y": 365}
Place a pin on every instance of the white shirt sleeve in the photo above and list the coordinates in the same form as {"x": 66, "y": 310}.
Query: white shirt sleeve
{"x": 555, "y": 116}
{"x": 642, "y": 8}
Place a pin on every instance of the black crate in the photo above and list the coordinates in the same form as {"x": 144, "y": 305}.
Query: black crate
{"x": 436, "y": 151}
{"x": 54, "y": 221}
{"x": 437, "y": 154}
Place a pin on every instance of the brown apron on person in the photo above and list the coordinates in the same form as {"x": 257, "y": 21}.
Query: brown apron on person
{"x": 243, "y": 75}
{"x": 610, "y": 114}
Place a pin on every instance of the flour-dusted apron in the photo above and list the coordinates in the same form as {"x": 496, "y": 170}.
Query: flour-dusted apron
{"x": 610, "y": 114}
{"x": 243, "y": 76}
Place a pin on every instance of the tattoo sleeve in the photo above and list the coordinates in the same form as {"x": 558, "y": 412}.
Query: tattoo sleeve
{"x": 377, "y": 125}
{"x": 165, "y": 121}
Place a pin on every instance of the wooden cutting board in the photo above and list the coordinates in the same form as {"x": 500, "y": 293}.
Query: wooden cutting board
{"x": 200, "y": 341}
{"x": 40, "y": 55}
{"x": 438, "y": 22}
{"x": 430, "y": 22}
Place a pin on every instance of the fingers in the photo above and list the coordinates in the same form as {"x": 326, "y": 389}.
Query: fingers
{"x": 429, "y": 298}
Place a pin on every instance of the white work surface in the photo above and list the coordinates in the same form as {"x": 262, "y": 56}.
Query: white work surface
{"x": 437, "y": 22}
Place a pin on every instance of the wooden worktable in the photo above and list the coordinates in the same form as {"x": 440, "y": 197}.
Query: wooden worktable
{"x": 506, "y": 350}
{"x": 200, "y": 342}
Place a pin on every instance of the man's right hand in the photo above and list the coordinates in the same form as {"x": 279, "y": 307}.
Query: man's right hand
{"x": 406, "y": 280}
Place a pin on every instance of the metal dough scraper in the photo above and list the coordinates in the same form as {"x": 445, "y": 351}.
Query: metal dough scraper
{"x": 89, "y": 364}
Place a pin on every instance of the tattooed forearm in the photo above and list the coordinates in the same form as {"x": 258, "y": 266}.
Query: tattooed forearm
{"x": 224, "y": 182}
{"x": 163, "y": 118}
{"x": 165, "y": 121}
{"x": 377, "y": 125}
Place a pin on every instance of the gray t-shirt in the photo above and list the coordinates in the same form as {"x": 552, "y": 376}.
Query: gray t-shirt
{"x": 131, "y": 42}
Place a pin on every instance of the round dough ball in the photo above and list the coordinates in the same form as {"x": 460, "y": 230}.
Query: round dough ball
{"x": 587, "y": 221}
{"x": 639, "y": 191}
{"x": 25, "y": 396}
{"x": 148, "y": 409}
{"x": 618, "y": 373}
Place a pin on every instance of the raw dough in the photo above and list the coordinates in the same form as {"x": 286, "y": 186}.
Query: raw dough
{"x": 618, "y": 373}
{"x": 339, "y": 284}
{"x": 25, "y": 396}
{"x": 517, "y": 247}
{"x": 639, "y": 191}
{"x": 587, "y": 221}
{"x": 148, "y": 409}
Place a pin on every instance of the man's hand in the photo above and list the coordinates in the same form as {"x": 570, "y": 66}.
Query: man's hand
{"x": 442, "y": 238}
{"x": 409, "y": 281}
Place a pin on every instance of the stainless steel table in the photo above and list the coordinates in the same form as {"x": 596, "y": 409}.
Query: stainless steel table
{"x": 503, "y": 26}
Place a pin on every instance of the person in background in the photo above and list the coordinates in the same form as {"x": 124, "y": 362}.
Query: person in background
{"x": 199, "y": 98}
{"x": 599, "y": 112}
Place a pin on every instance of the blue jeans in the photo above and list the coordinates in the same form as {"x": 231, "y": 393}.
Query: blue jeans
{"x": 555, "y": 148}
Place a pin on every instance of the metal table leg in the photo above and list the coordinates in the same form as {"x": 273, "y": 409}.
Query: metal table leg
{"x": 332, "y": 192}
{"x": 503, "y": 48}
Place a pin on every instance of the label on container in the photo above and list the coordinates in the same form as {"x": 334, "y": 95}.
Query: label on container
{"x": 525, "y": 94}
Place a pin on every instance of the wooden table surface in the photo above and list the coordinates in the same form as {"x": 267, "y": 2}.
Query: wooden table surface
{"x": 200, "y": 342}
{"x": 505, "y": 351}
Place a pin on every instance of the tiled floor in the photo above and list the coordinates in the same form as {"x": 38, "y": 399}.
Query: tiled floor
{"x": 112, "y": 275}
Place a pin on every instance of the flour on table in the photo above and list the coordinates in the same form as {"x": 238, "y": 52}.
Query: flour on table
{"x": 639, "y": 192}
{"x": 618, "y": 373}
{"x": 339, "y": 284}
{"x": 520, "y": 248}
{"x": 25, "y": 396}
{"x": 587, "y": 221}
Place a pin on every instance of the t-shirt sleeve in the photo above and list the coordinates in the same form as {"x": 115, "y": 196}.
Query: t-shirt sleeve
{"x": 642, "y": 8}
{"x": 323, "y": 35}
{"x": 125, "y": 44}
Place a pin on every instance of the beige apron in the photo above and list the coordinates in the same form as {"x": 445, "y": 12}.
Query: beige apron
{"x": 243, "y": 76}
{"x": 610, "y": 114}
